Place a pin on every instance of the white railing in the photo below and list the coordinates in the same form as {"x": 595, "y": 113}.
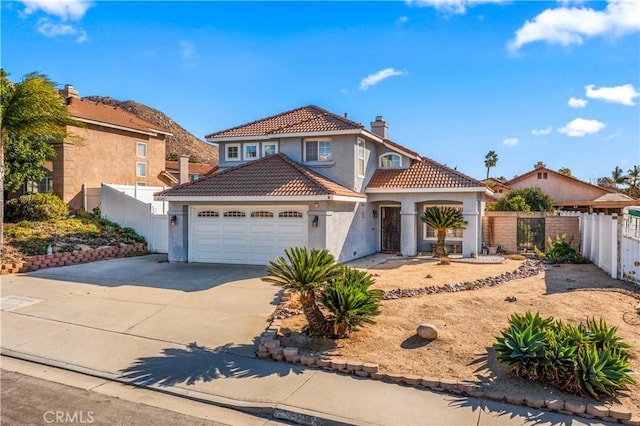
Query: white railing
{"x": 120, "y": 206}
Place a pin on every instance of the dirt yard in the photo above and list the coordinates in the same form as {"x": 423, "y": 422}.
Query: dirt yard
{"x": 469, "y": 321}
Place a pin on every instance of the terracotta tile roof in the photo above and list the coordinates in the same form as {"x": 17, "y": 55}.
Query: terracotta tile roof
{"x": 558, "y": 174}
{"x": 275, "y": 175}
{"x": 425, "y": 173}
{"x": 194, "y": 168}
{"x": 402, "y": 148}
{"x": 95, "y": 111}
{"x": 305, "y": 119}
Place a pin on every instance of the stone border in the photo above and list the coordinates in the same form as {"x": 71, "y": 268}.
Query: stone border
{"x": 269, "y": 347}
{"x": 34, "y": 263}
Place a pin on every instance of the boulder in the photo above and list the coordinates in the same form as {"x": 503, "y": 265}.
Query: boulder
{"x": 427, "y": 331}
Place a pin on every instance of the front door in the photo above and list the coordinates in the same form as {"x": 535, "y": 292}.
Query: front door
{"x": 390, "y": 228}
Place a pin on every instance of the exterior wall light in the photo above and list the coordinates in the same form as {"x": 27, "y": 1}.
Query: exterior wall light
{"x": 375, "y": 213}
{"x": 315, "y": 221}
{"x": 174, "y": 220}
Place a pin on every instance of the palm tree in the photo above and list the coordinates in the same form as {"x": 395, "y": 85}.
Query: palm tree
{"x": 490, "y": 160}
{"x": 306, "y": 273}
{"x": 442, "y": 218}
{"x": 633, "y": 181}
{"x": 618, "y": 177}
{"x": 351, "y": 302}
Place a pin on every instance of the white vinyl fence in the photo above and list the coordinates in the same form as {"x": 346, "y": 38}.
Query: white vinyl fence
{"x": 122, "y": 204}
{"x": 630, "y": 245}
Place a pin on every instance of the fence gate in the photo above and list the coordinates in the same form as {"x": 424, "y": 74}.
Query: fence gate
{"x": 530, "y": 234}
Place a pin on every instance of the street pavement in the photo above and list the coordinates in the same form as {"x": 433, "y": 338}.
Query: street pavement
{"x": 189, "y": 330}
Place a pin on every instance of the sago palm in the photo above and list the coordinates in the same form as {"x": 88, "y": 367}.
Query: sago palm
{"x": 350, "y": 301}
{"x": 442, "y": 218}
{"x": 307, "y": 273}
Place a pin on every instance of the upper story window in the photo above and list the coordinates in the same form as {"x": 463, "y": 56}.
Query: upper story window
{"x": 317, "y": 150}
{"x": 250, "y": 151}
{"x": 141, "y": 149}
{"x": 542, "y": 175}
{"x": 269, "y": 148}
{"x": 194, "y": 176}
{"x": 141, "y": 169}
{"x": 232, "y": 152}
{"x": 390, "y": 161}
{"x": 360, "y": 158}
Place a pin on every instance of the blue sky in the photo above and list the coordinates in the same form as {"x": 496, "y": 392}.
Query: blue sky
{"x": 534, "y": 81}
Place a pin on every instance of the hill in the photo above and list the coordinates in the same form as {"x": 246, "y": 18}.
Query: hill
{"x": 181, "y": 143}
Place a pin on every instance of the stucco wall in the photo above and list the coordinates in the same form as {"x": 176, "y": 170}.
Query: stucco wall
{"x": 560, "y": 188}
{"x": 99, "y": 155}
{"x": 351, "y": 230}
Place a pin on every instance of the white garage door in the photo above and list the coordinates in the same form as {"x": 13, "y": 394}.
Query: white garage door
{"x": 245, "y": 235}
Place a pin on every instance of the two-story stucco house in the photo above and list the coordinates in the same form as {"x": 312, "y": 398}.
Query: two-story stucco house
{"x": 308, "y": 177}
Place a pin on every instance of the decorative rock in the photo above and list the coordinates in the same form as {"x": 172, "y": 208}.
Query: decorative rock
{"x": 394, "y": 378}
{"x": 290, "y": 351}
{"x": 370, "y": 367}
{"x": 430, "y": 382}
{"x": 353, "y": 366}
{"x": 534, "y": 402}
{"x": 554, "y": 404}
{"x": 324, "y": 363}
{"x": 361, "y": 373}
{"x": 619, "y": 412}
{"x": 598, "y": 410}
{"x": 449, "y": 385}
{"x": 515, "y": 400}
{"x": 307, "y": 360}
{"x": 412, "y": 379}
{"x": 575, "y": 407}
{"x": 270, "y": 344}
{"x": 427, "y": 331}
{"x": 338, "y": 364}
{"x": 276, "y": 351}
{"x": 468, "y": 387}
{"x": 633, "y": 421}
{"x": 264, "y": 355}
{"x": 278, "y": 357}
{"x": 378, "y": 376}
{"x": 494, "y": 396}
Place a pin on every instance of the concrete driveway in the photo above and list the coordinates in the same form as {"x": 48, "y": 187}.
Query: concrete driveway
{"x": 211, "y": 306}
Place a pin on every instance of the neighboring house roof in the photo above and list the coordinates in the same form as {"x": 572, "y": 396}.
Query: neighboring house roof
{"x": 91, "y": 112}
{"x": 201, "y": 169}
{"x": 304, "y": 120}
{"x": 274, "y": 176}
{"x": 614, "y": 196}
{"x": 518, "y": 178}
{"x": 422, "y": 174}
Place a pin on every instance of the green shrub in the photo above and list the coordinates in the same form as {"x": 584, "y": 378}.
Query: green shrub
{"x": 36, "y": 207}
{"x": 560, "y": 251}
{"x": 587, "y": 359}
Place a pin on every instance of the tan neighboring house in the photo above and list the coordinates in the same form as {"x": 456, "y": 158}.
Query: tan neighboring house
{"x": 111, "y": 146}
{"x": 570, "y": 193}
{"x": 183, "y": 171}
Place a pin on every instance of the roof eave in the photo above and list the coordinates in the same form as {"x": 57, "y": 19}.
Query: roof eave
{"x": 265, "y": 198}
{"x": 481, "y": 189}
{"x": 150, "y": 132}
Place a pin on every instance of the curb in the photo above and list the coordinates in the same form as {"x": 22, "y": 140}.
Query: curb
{"x": 266, "y": 410}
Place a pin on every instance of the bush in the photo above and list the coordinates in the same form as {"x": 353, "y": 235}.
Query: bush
{"x": 524, "y": 199}
{"x": 35, "y": 207}
{"x": 587, "y": 359}
{"x": 560, "y": 251}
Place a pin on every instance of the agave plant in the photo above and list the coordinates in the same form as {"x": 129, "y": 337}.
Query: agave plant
{"x": 602, "y": 373}
{"x": 523, "y": 349}
{"x": 604, "y": 337}
{"x": 350, "y": 301}
{"x": 307, "y": 273}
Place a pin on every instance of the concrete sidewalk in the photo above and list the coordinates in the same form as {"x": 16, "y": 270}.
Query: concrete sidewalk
{"x": 160, "y": 338}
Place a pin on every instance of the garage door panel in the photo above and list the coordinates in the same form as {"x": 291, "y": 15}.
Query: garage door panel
{"x": 244, "y": 240}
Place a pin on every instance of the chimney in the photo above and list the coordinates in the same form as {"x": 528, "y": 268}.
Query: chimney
{"x": 380, "y": 127}
{"x": 183, "y": 169}
{"x": 539, "y": 165}
{"x": 69, "y": 92}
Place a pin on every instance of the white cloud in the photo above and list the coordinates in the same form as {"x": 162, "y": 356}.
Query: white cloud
{"x": 450, "y": 7}
{"x": 510, "y": 142}
{"x": 570, "y": 25}
{"x": 542, "y": 132}
{"x": 613, "y": 136}
{"x": 624, "y": 94}
{"x": 580, "y": 127}
{"x": 402, "y": 20}
{"x": 373, "y": 79}
{"x": 63, "y": 9}
{"x": 50, "y": 29}
{"x": 577, "y": 103}
{"x": 188, "y": 49}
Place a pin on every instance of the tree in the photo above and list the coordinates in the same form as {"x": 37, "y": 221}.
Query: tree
{"x": 565, "y": 171}
{"x": 535, "y": 199}
{"x": 307, "y": 273}
{"x": 633, "y": 180}
{"x": 606, "y": 182}
{"x": 618, "y": 177}
{"x": 442, "y": 218}
{"x": 490, "y": 160}
{"x": 32, "y": 116}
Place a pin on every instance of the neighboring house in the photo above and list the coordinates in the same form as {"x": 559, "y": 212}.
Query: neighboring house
{"x": 308, "y": 177}
{"x": 111, "y": 146}
{"x": 497, "y": 186}
{"x": 183, "y": 171}
{"x": 570, "y": 193}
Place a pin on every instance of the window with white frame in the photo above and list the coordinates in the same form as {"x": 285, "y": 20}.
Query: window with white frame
{"x": 250, "y": 151}
{"x": 317, "y": 150}
{"x": 390, "y": 161}
{"x": 141, "y": 149}
{"x": 452, "y": 233}
{"x": 360, "y": 158}
{"x": 232, "y": 152}
{"x": 141, "y": 169}
{"x": 269, "y": 148}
